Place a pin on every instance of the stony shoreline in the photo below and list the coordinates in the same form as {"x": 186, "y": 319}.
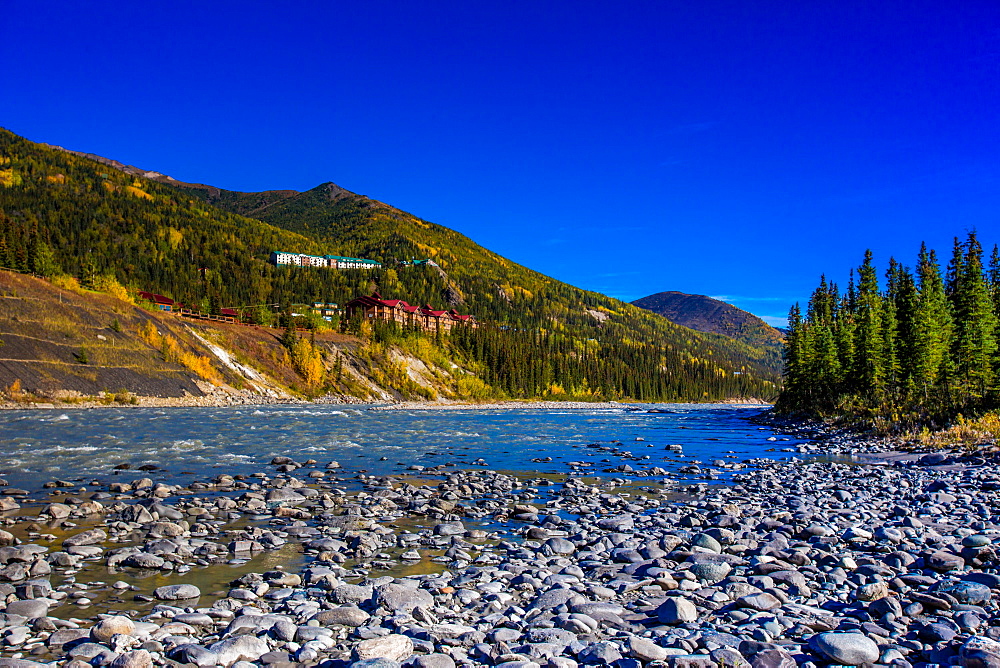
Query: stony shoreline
{"x": 806, "y": 563}
{"x": 226, "y": 399}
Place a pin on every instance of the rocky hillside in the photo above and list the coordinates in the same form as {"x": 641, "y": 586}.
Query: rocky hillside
{"x": 73, "y": 345}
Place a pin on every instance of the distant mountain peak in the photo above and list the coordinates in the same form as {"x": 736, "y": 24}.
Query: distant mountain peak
{"x": 706, "y": 314}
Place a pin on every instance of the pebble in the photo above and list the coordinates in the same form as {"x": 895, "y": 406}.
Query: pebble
{"x": 806, "y": 562}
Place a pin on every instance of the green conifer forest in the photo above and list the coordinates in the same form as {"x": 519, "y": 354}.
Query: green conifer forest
{"x": 912, "y": 347}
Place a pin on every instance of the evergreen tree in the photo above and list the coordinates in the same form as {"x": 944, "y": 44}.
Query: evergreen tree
{"x": 932, "y": 326}
{"x": 975, "y": 343}
{"x": 869, "y": 344}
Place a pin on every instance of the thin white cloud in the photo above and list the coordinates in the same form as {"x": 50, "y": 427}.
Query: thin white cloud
{"x": 774, "y": 321}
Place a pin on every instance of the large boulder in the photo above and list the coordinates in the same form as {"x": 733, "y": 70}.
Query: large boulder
{"x": 846, "y": 649}
{"x": 394, "y": 647}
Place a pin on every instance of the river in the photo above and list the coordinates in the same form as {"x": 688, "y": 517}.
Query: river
{"x": 194, "y": 443}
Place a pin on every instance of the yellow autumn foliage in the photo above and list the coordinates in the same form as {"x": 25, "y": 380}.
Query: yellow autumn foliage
{"x": 201, "y": 365}
{"x": 66, "y": 282}
{"x": 308, "y": 362}
{"x": 138, "y": 192}
{"x": 8, "y": 178}
{"x": 108, "y": 284}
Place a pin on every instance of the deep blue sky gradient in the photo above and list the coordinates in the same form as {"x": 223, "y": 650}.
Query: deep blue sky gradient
{"x": 735, "y": 149}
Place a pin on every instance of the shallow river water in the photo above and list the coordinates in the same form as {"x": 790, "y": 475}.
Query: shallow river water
{"x": 195, "y": 443}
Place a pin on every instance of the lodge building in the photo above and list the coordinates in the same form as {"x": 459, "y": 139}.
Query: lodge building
{"x": 397, "y": 310}
{"x": 280, "y": 258}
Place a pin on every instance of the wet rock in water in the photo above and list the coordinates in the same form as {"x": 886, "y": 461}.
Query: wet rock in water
{"x": 848, "y": 649}
{"x": 103, "y": 630}
{"x": 177, "y": 592}
{"x": 30, "y": 609}
{"x": 90, "y": 537}
{"x": 394, "y": 647}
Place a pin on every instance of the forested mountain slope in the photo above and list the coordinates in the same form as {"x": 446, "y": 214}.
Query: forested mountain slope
{"x": 64, "y": 213}
{"x": 711, "y": 315}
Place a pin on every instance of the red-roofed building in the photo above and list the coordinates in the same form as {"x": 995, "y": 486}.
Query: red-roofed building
{"x": 161, "y": 302}
{"x": 396, "y": 310}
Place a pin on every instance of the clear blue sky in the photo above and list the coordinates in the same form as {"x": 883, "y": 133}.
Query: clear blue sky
{"x": 735, "y": 149}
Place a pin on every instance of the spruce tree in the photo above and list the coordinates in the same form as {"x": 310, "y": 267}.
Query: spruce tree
{"x": 975, "y": 342}
{"x": 932, "y": 326}
{"x": 869, "y": 345}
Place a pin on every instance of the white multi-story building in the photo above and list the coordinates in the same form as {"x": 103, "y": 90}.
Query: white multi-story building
{"x": 280, "y": 258}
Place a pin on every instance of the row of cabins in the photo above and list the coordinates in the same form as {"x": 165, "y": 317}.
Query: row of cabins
{"x": 279, "y": 258}
{"x": 170, "y": 306}
{"x": 396, "y": 310}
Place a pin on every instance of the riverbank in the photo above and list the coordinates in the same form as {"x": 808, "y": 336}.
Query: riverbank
{"x": 496, "y": 405}
{"x": 843, "y": 560}
{"x": 223, "y": 399}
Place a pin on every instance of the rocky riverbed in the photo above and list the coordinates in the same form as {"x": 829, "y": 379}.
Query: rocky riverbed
{"x": 809, "y": 563}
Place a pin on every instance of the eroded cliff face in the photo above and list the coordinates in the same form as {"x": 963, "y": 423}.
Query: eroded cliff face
{"x": 79, "y": 347}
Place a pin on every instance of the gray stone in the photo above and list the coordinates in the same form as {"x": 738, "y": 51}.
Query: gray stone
{"x": 553, "y": 598}
{"x": 239, "y": 648}
{"x": 138, "y": 658}
{"x": 980, "y": 652}
{"x": 772, "y": 658}
{"x": 375, "y": 663}
{"x": 433, "y": 661}
{"x": 944, "y": 561}
{"x": 601, "y": 653}
{"x": 677, "y": 610}
{"x": 559, "y": 546}
{"x": 848, "y": 649}
{"x": 176, "y": 592}
{"x": 711, "y": 571}
{"x": 192, "y": 653}
{"x": 399, "y": 597}
{"x": 344, "y": 616}
{"x": 644, "y": 649}
{"x": 394, "y": 647}
{"x": 762, "y": 601}
{"x": 143, "y": 560}
{"x": 103, "y": 630}
{"x": 972, "y": 593}
{"x": 617, "y": 523}
{"x": 91, "y": 537}
{"x": 31, "y": 608}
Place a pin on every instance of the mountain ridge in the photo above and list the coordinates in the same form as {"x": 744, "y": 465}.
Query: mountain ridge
{"x": 191, "y": 242}
{"x": 705, "y": 314}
